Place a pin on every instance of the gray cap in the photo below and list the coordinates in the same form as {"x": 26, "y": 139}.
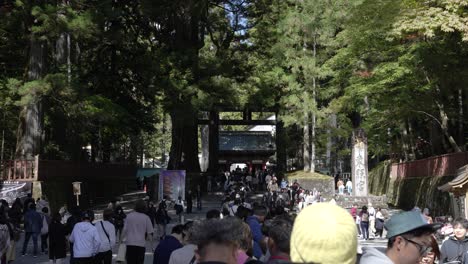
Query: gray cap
{"x": 407, "y": 221}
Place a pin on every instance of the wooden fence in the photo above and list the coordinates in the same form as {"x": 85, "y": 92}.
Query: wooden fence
{"x": 20, "y": 170}
{"x": 437, "y": 166}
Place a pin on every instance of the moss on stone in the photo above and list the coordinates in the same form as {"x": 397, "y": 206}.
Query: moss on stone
{"x": 410, "y": 192}
{"x": 306, "y": 175}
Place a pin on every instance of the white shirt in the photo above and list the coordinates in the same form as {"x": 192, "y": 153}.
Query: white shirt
{"x": 371, "y": 212}
{"x": 379, "y": 215}
{"x": 136, "y": 226}
{"x": 183, "y": 255}
{"x": 110, "y": 229}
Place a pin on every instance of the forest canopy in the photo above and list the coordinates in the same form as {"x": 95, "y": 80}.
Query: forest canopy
{"x": 113, "y": 81}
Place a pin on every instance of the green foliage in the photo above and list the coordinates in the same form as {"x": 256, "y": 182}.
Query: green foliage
{"x": 400, "y": 66}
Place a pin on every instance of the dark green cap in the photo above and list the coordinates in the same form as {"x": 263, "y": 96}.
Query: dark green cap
{"x": 407, "y": 221}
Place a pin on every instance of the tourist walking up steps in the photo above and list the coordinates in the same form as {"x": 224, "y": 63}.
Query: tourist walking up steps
{"x": 137, "y": 229}
{"x": 57, "y": 240}
{"x": 32, "y": 227}
{"x": 85, "y": 239}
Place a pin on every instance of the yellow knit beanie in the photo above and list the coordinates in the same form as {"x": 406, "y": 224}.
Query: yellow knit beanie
{"x": 324, "y": 233}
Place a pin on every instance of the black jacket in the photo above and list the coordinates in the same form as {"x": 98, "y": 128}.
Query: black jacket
{"x": 453, "y": 250}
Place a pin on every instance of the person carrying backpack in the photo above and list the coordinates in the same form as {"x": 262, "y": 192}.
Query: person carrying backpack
{"x": 162, "y": 219}
{"x": 364, "y": 215}
{"x": 45, "y": 229}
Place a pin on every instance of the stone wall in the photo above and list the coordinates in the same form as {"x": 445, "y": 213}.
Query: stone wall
{"x": 346, "y": 201}
{"x": 325, "y": 185}
{"x": 405, "y": 193}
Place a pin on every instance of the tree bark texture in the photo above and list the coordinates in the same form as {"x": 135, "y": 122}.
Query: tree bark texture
{"x": 204, "y": 134}
{"x": 184, "y": 148}
{"x": 281, "y": 159}
{"x": 306, "y": 140}
{"x": 31, "y": 118}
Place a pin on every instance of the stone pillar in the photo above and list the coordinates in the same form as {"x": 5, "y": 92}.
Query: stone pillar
{"x": 36, "y": 189}
{"x": 359, "y": 163}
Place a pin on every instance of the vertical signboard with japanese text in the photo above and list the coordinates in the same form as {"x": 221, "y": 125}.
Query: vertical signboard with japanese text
{"x": 172, "y": 184}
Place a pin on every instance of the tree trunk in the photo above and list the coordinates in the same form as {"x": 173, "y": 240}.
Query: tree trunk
{"x": 3, "y": 137}
{"x": 331, "y": 149}
{"x": 306, "y": 152}
{"x": 411, "y": 143}
{"x": 314, "y": 117}
{"x": 404, "y": 141}
{"x": 184, "y": 148}
{"x": 281, "y": 158}
{"x": 312, "y": 143}
{"x": 444, "y": 119}
{"x": 163, "y": 142}
{"x": 30, "y": 126}
{"x": 445, "y": 129}
{"x": 204, "y": 134}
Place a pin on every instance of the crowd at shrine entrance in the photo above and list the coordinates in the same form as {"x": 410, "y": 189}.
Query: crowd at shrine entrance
{"x": 245, "y": 209}
{"x": 258, "y": 219}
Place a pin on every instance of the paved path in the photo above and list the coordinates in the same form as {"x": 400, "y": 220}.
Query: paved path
{"x": 210, "y": 202}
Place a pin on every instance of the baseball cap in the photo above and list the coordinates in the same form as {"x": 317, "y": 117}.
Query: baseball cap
{"x": 407, "y": 221}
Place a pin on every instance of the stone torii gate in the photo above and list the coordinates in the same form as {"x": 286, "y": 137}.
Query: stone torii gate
{"x": 214, "y": 122}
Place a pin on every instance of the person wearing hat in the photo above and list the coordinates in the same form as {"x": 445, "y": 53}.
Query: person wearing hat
{"x": 324, "y": 233}
{"x": 456, "y": 246}
{"x": 85, "y": 239}
{"x": 409, "y": 240}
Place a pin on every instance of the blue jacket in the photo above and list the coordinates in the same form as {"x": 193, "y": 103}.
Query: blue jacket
{"x": 163, "y": 251}
{"x": 257, "y": 235}
{"x": 32, "y": 221}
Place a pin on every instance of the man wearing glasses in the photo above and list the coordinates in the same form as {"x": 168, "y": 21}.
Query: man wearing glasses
{"x": 409, "y": 240}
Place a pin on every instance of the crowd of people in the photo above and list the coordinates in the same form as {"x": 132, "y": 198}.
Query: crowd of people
{"x": 289, "y": 225}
